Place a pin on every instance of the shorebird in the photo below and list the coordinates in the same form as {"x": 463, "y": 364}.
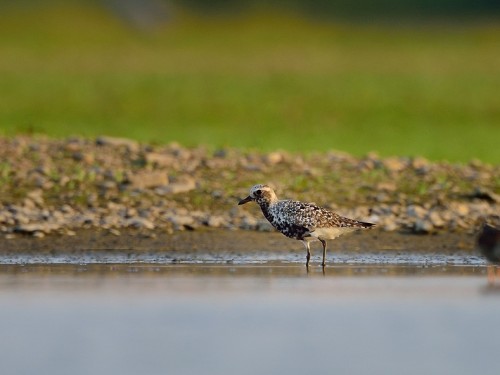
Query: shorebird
{"x": 489, "y": 244}
{"x": 302, "y": 221}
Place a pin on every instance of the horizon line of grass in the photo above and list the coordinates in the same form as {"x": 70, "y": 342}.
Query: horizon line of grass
{"x": 256, "y": 82}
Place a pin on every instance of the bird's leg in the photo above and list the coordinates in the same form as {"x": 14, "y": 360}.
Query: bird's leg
{"x": 308, "y": 249}
{"x": 323, "y": 242}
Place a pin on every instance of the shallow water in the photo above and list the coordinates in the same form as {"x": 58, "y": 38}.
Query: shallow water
{"x": 263, "y": 258}
{"x": 125, "y": 314}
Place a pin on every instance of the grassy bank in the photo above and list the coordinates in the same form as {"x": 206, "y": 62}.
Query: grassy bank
{"x": 259, "y": 81}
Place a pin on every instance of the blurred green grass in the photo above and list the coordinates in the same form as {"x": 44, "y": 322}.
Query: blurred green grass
{"x": 263, "y": 80}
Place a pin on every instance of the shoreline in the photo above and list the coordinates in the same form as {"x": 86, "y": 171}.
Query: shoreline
{"x": 234, "y": 241}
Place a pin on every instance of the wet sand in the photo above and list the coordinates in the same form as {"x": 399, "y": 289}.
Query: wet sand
{"x": 220, "y": 240}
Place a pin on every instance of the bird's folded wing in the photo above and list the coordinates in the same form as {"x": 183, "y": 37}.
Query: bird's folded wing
{"x": 306, "y": 215}
{"x": 311, "y": 217}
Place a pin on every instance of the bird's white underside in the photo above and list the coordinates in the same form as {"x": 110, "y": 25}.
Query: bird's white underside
{"x": 328, "y": 233}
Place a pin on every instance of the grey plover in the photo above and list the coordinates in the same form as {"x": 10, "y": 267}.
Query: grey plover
{"x": 303, "y": 221}
{"x": 489, "y": 244}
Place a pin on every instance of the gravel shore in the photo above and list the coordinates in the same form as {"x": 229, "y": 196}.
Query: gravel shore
{"x": 50, "y": 186}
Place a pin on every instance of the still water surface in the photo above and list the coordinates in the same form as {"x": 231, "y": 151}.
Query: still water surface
{"x": 270, "y": 317}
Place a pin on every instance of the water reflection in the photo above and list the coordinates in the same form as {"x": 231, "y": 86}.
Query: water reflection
{"x": 277, "y": 269}
{"x": 219, "y": 279}
{"x": 248, "y": 319}
{"x": 490, "y": 289}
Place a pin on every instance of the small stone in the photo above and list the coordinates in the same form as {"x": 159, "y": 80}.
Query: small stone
{"x": 460, "y": 209}
{"x": 420, "y": 163}
{"x": 145, "y": 180}
{"x": 216, "y": 221}
{"x": 373, "y": 156}
{"x": 390, "y": 226}
{"x": 423, "y": 227}
{"x": 107, "y": 185}
{"x": 161, "y": 160}
{"x": 486, "y": 194}
{"x": 382, "y": 197}
{"x": 29, "y": 204}
{"x": 10, "y": 236}
{"x": 92, "y": 199}
{"x": 65, "y": 208}
{"x": 274, "y": 158}
{"x": 38, "y": 234}
{"x": 117, "y": 142}
{"x": 37, "y": 227}
{"x": 139, "y": 223}
{"x": 394, "y": 164}
{"x": 248, "y": 223}
{"x": 366, "y": 165}
{"x": 84, "y": 157}
{"x": 182, "y": 185}
{"x": 64, "y": 180}
{"x": 436, "y": 219}
{"x": 72, "y": 146}
{"x": 476, "y": 163}
{"x": 36, "y": 196}
{"x": 220, "y": 153}
{"x": 181, "y": 222}
{"x": 415, "y": 211}
{"x": 110, "y": 221}
{"x": 460, "y": 223}
{"x": 264, "y": 226}
{"x": 254, "y": 167}
{"x": 387, "y": 186}
{"x": 131, "y": 212}
{"x": 217, "y": 194}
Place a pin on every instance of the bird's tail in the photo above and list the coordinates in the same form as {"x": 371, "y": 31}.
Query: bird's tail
{"x": 366, "y": 225}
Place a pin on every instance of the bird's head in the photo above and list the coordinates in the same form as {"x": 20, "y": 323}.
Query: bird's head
{"x": 262, "y": 194}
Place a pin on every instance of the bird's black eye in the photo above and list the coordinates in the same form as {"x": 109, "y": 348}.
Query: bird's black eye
{"x": 258, "y": 193}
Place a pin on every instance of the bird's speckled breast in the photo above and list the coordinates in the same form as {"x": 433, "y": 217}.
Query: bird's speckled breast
{"x": 274, "y": 214}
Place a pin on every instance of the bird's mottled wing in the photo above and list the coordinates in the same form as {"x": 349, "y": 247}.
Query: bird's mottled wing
{"x": 310, "y": 216}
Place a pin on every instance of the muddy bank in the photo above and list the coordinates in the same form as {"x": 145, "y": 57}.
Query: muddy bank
{"x": 234, "y": 241}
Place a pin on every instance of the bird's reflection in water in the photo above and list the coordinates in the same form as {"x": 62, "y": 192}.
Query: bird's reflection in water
{"x": 488, "y": 242}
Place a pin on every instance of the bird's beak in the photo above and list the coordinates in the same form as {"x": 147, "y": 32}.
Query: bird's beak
{"x": 246, "y": 200}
